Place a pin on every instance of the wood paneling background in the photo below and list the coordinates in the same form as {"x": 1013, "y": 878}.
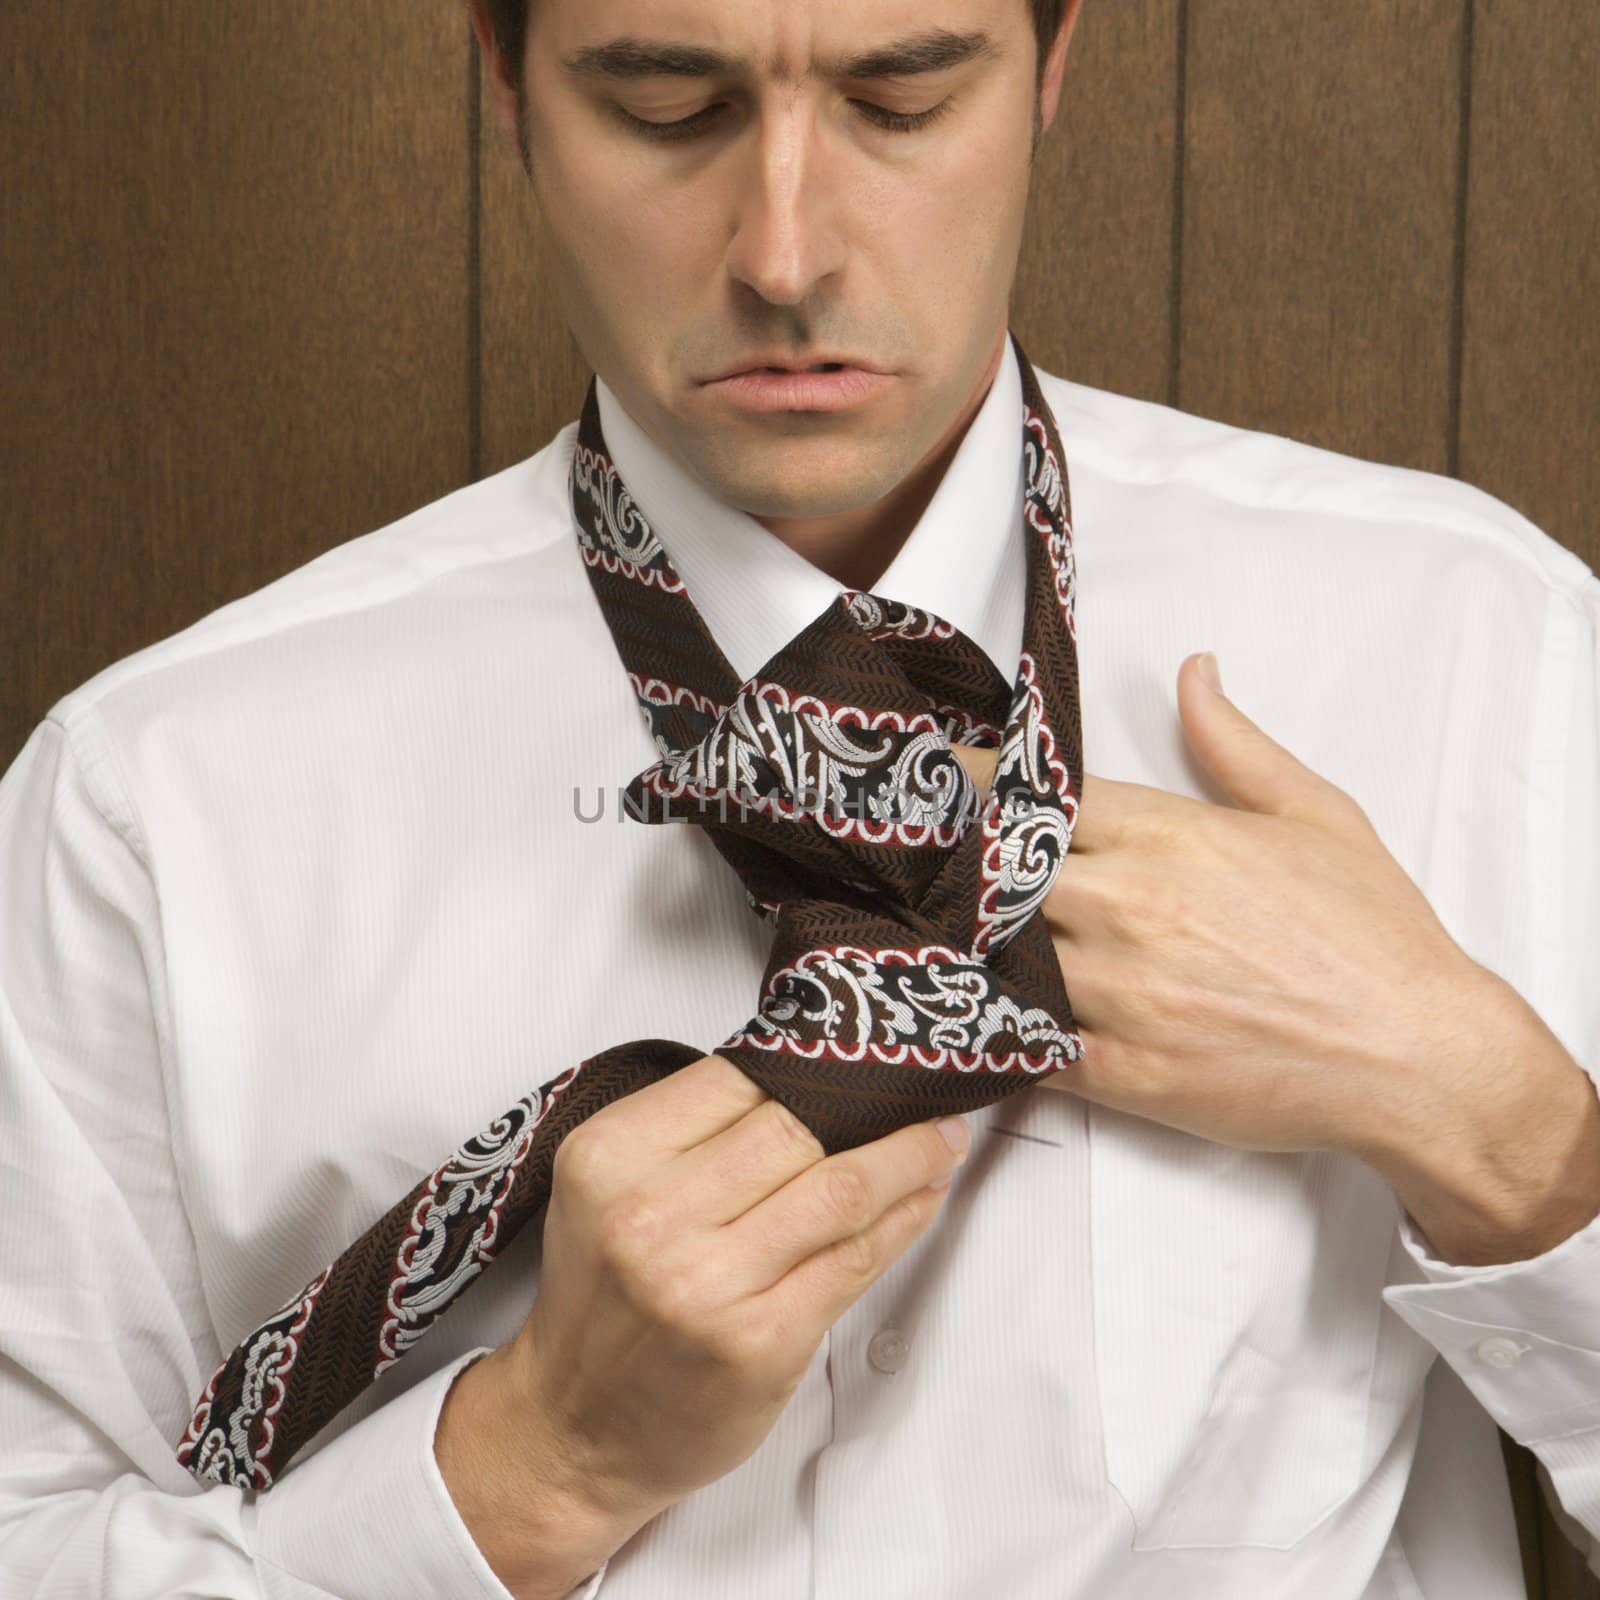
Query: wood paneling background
{"x": 234, "y": 276}
{"x": 271, "y": 279}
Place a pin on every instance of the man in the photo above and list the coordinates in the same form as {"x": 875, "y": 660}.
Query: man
{"x": 300, "y": 896}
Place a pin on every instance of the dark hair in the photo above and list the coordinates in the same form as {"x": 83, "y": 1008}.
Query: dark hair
{"x": 509, "y": 20}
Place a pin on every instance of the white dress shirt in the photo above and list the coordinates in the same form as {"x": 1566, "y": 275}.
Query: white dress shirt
{"x": 298, "y": 898}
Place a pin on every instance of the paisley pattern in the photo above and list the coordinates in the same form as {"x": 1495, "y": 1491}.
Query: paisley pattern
{"x": 879, "y": 618}
{"x": 619, "y": 538}
{"x": 1045, "y": 508}
{"x": 930, "y": 1007}
{"x": 909, "y": 975}
{"x": 455, "y": 1225}
{"x": 236, "y": 1447}
{"x": 887, "y": 776}
{"x": 1028, "y": 828}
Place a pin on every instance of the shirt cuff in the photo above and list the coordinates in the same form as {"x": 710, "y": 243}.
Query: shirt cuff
{"x": 368, "y": 1516}
{"x": 1524, "y": 1336}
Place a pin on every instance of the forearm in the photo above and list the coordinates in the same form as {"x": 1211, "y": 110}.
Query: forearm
{"x": 540, "y": 1533}
{"x": 1507, "y": 1163}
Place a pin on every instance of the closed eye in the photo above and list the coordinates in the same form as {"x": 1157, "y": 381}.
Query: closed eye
{"x": 688, "y": 127}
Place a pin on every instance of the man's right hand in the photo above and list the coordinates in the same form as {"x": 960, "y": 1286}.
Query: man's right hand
{"x": 697, "y": 1245}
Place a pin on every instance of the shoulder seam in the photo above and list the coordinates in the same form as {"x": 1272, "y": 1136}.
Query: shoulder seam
{"x": 121, "y": 817}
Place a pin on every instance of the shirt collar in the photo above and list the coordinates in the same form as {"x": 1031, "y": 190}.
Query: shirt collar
{"x": 964, "y": 561}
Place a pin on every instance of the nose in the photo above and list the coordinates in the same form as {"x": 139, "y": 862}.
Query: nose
{"x": 785, "y": 236}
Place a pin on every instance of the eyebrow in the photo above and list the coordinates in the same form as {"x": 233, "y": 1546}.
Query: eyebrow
{"x": 630, "y": 57}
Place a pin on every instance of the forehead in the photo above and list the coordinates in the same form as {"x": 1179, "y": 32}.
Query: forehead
{"x": 784, "y": 40}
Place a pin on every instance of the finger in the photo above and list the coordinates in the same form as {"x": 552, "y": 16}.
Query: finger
{"x": 832, "y": 1202}
{"x": 979, "y": 762}
{"x": 737, "y": 1167}
{"x": 827, "y": 1283}
{"x": 1098, "y": 798}
{"x": 1089, "y": 902}
{"x": 1101, "y": 801}
{"x": 685, "y": 1108}
{"x": 1253, "y": 770}
{"x": 1111, "y": 813}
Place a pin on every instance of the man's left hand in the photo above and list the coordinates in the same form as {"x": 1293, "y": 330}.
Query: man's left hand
{"x": 1265, "y": 974}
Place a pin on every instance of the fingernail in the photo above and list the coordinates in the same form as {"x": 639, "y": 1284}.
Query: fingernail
{"x": 1208, "y": 671}
{"x": 956, "y": 1134}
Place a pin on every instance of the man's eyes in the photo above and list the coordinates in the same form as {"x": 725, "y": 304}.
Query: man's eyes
{"x": 688, "y": 127}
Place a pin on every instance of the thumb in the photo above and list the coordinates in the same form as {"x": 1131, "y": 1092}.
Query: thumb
{"x": 1251, "y": 767}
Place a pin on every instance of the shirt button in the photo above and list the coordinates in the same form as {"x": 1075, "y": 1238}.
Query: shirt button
{"x": 1498, "y": 1352}
{"x": 888, "y": 1350}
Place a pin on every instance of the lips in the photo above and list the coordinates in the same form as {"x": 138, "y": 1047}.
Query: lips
{"x": 776, "y": 363}
{"x": 838, "y": 388}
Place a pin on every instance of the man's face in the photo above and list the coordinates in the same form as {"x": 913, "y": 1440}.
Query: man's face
{"x": 789, "y": 216}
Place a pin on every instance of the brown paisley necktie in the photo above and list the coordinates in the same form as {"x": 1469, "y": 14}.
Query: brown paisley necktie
{"x": 908, "y": 976}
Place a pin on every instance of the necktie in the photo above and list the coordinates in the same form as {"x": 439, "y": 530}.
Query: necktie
{"x": 908, "y": 977}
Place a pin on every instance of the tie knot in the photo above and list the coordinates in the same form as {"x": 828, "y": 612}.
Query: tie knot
{"x": 836, "y": 753}
{"x": 788, "y": 753}
{"x": 848, "y": 727}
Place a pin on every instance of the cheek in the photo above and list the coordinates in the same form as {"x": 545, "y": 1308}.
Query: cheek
{"x": 946, "y": 221}
{"x": 627, "y": 242}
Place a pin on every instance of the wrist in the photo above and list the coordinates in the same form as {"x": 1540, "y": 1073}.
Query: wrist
{"x": 512, "y": 1485}
{"x": 1506, "y": 1162}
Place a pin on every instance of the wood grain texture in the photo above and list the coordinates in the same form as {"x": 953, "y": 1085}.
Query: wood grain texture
{"x": 1092, "y": 299}
{"x": 234, "y": 261}
{"x": 1320, "y": 185}
{"x": 1530, "y": 403}
{"x": 532, "y": 375}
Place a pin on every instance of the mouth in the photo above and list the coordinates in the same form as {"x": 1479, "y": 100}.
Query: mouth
{"x": 793, "y": 368}
{"x": 822, "y": 386}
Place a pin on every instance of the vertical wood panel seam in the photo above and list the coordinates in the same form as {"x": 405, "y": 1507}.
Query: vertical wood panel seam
{"x": 1458, "y": 285}
{"x": 474, "y": 263}
{"x": 1180, "y": 145}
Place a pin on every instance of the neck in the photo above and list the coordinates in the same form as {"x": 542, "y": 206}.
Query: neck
{"x": 856, "y": 547}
